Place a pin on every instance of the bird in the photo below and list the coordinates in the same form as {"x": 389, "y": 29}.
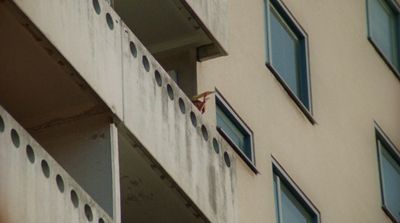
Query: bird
{"x": 200, "y": 100}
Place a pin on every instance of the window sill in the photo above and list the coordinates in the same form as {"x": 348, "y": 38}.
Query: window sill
{"x": 387, "y": 212}
{"x": 296, "y": 100}
{"x": 249, "y": 163}
{"x": 385, "y": 59}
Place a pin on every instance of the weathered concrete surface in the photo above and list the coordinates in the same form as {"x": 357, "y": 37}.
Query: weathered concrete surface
{"x": 26, "y": 195}
{"x": 103, "y": 58}
{"x": 84, "y": 148}
{"x": 214, "y": 16}
{"x": 168, "y": 134}
{"x": 84, "y": 39}
{"x": 147, "y": 194}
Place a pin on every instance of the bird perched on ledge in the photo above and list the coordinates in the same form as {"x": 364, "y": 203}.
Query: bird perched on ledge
{"x": 200, "y": 100}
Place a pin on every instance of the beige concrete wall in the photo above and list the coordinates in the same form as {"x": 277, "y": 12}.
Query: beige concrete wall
{"x": 334, "y": 162}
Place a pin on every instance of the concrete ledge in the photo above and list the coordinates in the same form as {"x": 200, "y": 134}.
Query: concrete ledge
{"x": 28, "y": 193}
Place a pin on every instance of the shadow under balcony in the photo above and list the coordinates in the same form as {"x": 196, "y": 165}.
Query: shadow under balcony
{"x": 168, "y": 27}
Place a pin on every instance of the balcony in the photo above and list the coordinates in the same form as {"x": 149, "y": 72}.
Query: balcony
{"x": 84, "y": 86}
{"x": 35, "y": 188}
{"x": 167, "y": 26}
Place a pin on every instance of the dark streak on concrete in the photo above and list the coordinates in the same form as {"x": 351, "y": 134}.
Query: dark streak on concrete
{"x": 212, "y": 187}
{"x": 135, "y": 188}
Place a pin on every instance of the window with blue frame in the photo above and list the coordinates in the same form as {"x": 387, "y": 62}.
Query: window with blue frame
{"x": 389, "y": 167}
{"x": 383, "y": 30}
{"x": 287, "y": 52}
{"x": 234, "y": 130}
{"x": 291, "y": 205}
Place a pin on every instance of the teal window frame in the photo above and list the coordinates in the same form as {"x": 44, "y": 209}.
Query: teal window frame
{"x": 283, "y": 182}
{"x": 394, "y": 7}
{"x": 303, "y": 97}
{"x": 384, "y": 143}
{"x": 227, "y": 110}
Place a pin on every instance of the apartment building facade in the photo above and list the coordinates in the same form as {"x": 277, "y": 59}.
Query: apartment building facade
{"x": 97, "y": 122}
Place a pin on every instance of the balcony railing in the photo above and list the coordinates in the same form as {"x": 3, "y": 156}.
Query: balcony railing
{"x": 34, "y": 187}
{"x": 142, "y": 96}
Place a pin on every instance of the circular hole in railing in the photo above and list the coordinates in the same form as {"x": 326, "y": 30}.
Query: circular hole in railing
{"x": 110, "y": 21}
{"x": 204, "y": 132}
{"x": 15, "y": 138}
{"x": 146, "y": 63}
{"x": 101, "y": 220}
{"x": 157, "y": 75}
{"x": 215, "y": 145}
{"x": 60, "y": 183}
{"x": 193, "y": 119}
{"x": 1, "y": 124}
{"x": 74, "y": 198}
{"x": 45, "y": 168}
{"x": 96, "y": 6}
{"x": 132, "y": 46}
{"x": 170, "y": 92}
{"x": 227, "y": 159}
{"x": 182, "y": 106}
{"x": 88, "y": 212}
{"x": 30, "y": 154}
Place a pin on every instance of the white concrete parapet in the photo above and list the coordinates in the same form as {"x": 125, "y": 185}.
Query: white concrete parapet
{"x": 137, "y": 89}
{"x": 174, "y": 132}
{"x": 34, "y": 187}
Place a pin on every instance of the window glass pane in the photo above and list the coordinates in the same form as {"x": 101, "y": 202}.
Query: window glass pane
{"x": 391, "y": 182}
{"x": 276, "y": 192}
{"x": 284, "y": 49}
{"x": 383, "y": 29}
{"x": 238, "y": 137}
{"x": 292, "y": 210}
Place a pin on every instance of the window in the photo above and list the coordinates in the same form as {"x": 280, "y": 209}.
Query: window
{"x": 383, "y": 30}
{"x": 389, "y": 167}
{"x": 233, "y": 129}
{"x": 287, "y": 53}
{"x": 290, "y": 204}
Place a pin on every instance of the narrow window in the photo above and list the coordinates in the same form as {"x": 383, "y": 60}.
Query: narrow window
{"x": 291, "y": 205}
{"x": 389, "y": 166}
{"x": 234, "y": 130}
{"x": 383, "y": 30}
{"x": 287, "y": 53}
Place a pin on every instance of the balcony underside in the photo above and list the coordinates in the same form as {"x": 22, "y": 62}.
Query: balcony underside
{"x": 147, "y": 194}
{"x": 80, "y": 68}
{"x": 170, "y": 26}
